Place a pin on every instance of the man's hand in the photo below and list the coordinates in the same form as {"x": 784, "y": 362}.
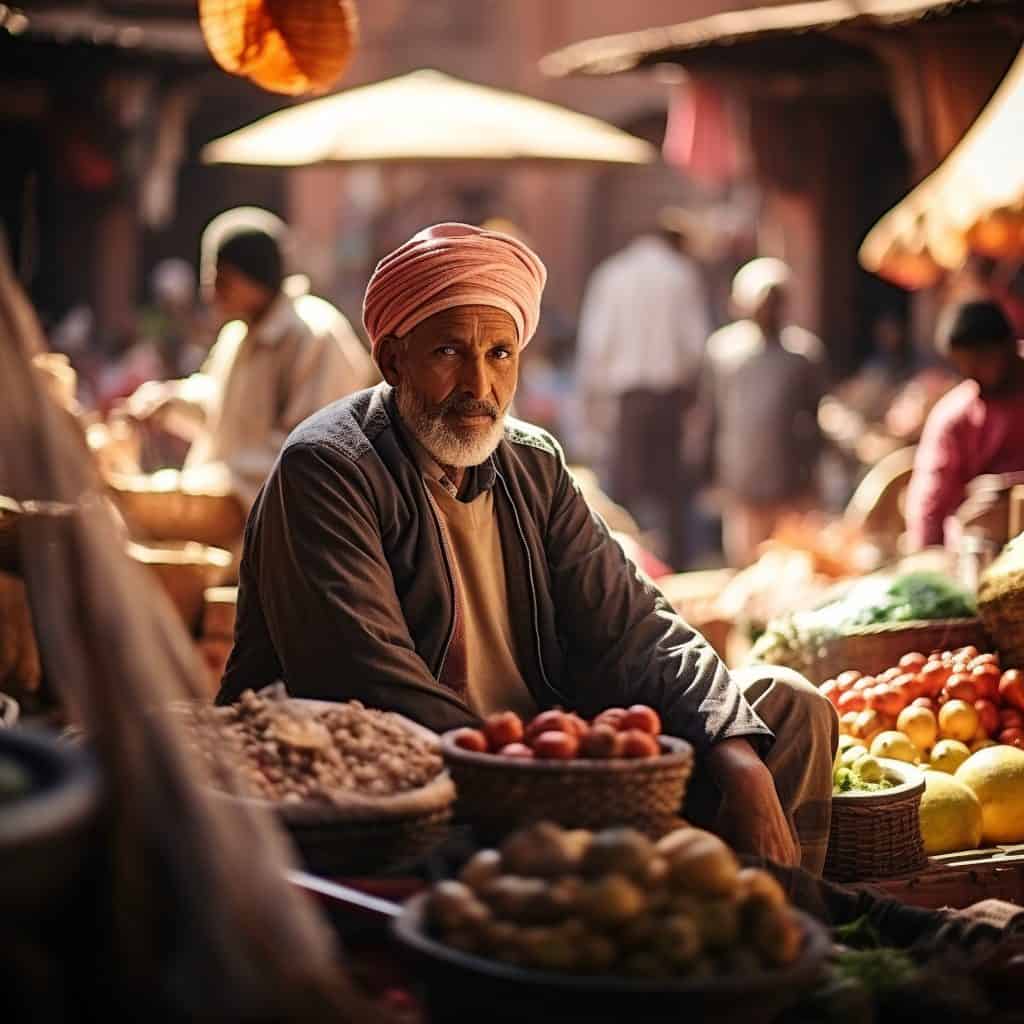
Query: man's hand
{"x": 148, "y": 400}
{"x": 751, "y": 818}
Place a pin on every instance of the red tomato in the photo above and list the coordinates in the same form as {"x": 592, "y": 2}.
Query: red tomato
{"x": 925, "y": 702}
{"x": 864, "y": 684}
{"x": 548, "y": 721}
{"x": 830, "y": 689}
{"x": 913, "y": 662}
{"x": 852, "y": 700}
{"x": 986, "y": 680}
{"x": 503, "y": 728}
{"x": 890, "y": 674}
{"x": 847, "y": 679}
{"x": 966, "y": 653}
{"x": 641, "y": 717}
{"x": 556, "y": 746}
{"x": 985, "y": 659}
{"x": 870, "y": 723}
{"x": 638, "y": 743}
{"x": 988, "y": 716}
{"x": 517, "y": 750}
{"x": 1011, "y": 718}
{"x": 611, "y": 716}
{"x": 1011, "y": 688}
{"x": 961, "y": 687}
{"x": 933, "y": 678}
{"x": 470, "y": 739}
{"x": 601, "y": 742}
{"x": 889, "y": 701}
{"x": 909, "y": 684}
{"x": 1012, "y": 737}
{"x": 577, "y": 725}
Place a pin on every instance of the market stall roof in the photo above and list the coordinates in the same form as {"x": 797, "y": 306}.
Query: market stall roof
{"x": 426, "y": 115}
{"x": 146, "y": 26}
{"x": 776, "y": 34}
{"x": 974, "y": 198}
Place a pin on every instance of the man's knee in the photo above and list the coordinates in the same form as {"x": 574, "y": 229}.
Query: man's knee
{"x": 786, "y": 701}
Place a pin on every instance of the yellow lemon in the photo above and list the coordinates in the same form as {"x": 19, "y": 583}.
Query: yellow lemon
{"x": 950, "y": 815}
{"x": 958, "y": 720}
{"x": 948, "y": 755}
{"x": 896, "y": 745}
{"x": 868, "y": 768}
{"x": 920, "y": 725}
{"x": 996, "y": 776}
{"x": 852, "y": 755}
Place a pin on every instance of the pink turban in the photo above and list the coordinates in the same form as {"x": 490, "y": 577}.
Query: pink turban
{"x": 450, "y": 265}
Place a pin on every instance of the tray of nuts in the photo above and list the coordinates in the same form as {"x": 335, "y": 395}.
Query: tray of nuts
{"x": 357, "y": 788}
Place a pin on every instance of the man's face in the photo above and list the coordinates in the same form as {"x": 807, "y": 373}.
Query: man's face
{"x": 989, "y": 366}
{"x": 238, "y": 297}
{"x": 455, "y": 376}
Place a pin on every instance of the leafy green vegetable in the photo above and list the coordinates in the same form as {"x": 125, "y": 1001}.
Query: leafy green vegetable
{"x": 878, "y": 970}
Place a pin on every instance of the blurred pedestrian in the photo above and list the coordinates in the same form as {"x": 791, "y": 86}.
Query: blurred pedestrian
{"x": 974, "y": 430}
{"x": 764, "y": 379}
{"x": 641, "y": 339}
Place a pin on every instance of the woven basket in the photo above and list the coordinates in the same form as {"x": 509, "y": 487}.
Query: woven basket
{"x": 185, "y": 571}
{"x": 288, "y": 46}
{"x": 873, "y": 649}
{"x": 214, "y": 519}
{"x": 878, "y": 835}
{"x": 1001, "y": 604}
{"x": 362, "y": 834}
{"x": 499, "y": 794}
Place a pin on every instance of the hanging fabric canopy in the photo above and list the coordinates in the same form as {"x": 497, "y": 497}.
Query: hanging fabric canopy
{"x": 973, "y": 201}
{"x": 426, "y": 115}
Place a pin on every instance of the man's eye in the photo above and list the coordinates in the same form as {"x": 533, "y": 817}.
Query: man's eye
{"x": 446, "y": 350}
{"x": 501, "y": 353}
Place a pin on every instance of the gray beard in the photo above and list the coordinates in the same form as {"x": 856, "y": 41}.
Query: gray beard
{"x": 450, "y": 447}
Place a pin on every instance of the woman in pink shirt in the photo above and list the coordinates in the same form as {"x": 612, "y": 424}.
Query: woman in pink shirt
{"x": 975, "y": 429}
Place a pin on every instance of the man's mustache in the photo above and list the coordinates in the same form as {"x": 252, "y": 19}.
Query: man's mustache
{"x": 468, "y": 407}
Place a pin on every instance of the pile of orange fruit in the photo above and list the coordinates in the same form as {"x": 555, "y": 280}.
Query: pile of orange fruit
{"x": 935, "y": 709}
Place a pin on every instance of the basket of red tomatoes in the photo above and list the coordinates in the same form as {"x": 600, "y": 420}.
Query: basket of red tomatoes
{"x": 616, "y": 769}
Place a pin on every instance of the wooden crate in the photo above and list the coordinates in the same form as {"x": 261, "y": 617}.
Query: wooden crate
{"x": 960, "y": 879}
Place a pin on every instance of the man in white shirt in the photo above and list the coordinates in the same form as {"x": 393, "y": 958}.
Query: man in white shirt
{"x": 643, "y": 328}
{"x": 279, "y": 359}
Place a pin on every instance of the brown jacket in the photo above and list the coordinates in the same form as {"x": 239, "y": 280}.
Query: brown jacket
{"x": 346, "y": 589}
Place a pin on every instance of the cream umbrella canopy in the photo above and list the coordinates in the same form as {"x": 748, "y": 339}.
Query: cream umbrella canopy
{"x": 973, "y": 200}
{"x": 426, "y": 115}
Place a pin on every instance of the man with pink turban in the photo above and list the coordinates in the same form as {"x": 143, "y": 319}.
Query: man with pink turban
{"x": 418, "y": 549}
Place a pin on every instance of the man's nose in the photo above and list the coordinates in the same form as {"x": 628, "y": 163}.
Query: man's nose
{"x": 475, "y": 378}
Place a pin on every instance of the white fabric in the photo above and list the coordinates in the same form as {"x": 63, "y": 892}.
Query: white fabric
{"x": 257, "y": 386}
{"x": 644, "y": 321}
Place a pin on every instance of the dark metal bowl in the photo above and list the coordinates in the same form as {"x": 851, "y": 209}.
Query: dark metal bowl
{"x": 44, "y": 834}
{"x": 459, "y": 985}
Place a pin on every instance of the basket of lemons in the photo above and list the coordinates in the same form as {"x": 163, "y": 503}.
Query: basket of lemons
{"x": 876, "y": 828}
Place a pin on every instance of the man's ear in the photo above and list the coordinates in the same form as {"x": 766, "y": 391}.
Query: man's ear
{"x": 389, "y": 358}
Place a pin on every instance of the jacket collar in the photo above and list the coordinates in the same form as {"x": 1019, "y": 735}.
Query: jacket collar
{"x": 477, "y": 479}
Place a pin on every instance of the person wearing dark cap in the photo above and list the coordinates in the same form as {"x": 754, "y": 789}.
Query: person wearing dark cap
{"x": 974, "y": 430}
{"x": 278, "y": 359}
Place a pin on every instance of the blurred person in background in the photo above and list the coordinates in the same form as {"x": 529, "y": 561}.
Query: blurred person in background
{"x": 643, "y": 327}
{"x": 762, "y": 385}
{"x": 278, "y": 359}
{"x": 172, "y": 322}
{"x": 974, "y": 430}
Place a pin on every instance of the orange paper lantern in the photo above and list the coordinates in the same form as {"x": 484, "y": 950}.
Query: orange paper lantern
{"x": 288, "y": 46}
